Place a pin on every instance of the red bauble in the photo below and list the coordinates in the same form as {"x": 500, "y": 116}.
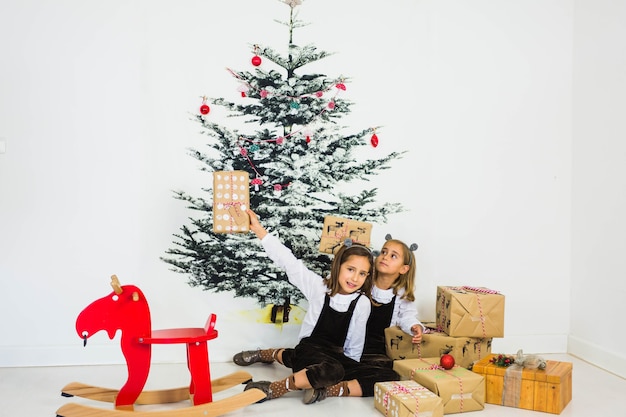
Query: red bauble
{"x": 374, "y": 140}
{"x": 256, "y": 60}
{"x": 446, "y": 361}
{"x": 205, "y": 109}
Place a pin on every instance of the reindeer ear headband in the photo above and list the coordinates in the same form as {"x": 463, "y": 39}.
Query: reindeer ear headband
{"x": 412, "y": 248}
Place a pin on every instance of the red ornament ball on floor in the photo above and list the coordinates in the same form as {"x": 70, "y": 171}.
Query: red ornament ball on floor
{"x": 446, "y": 361}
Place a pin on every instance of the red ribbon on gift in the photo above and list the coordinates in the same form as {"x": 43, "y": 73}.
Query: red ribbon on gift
{"x": 435, "y": 367}
{"x": 477, "y": 291}
{"x": 397, "y": 389}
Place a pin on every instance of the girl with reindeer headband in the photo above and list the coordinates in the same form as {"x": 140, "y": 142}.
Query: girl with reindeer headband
{"x": 393, "y": 302}
{"x": 332, "y": 335}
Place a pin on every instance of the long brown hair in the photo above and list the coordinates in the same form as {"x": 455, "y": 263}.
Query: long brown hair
{"x": 342, "y": 255}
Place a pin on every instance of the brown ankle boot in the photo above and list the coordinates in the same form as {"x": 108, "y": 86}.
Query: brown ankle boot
{"x": 248, "y": 357}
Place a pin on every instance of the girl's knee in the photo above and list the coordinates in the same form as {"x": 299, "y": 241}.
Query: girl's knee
{"x": 324, "y": 374}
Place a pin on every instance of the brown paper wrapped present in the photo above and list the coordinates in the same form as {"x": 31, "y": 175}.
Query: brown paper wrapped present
{"x": 337, "y": 229}
{"x": 231, "y": 199}
{"x": 406, "y": 399}
{"x": 470, "y": 311}
{"x": 548, "y": 390}
{"x": 460, "y": 389}
{"x": 465, "y": 350}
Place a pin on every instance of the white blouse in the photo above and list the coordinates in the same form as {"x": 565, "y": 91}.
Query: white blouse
{"x": 314, "y": 290}
{"x": 404, "y": 311}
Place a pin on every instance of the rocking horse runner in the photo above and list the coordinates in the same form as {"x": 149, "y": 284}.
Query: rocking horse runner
{"x": 126, "y": 309}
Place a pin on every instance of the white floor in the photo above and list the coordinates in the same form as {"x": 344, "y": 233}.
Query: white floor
{"x": 36, "y": 391}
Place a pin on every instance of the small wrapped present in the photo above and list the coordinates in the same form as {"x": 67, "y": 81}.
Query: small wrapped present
{"x": 526, "y": 386}
{"x": 406, "y": 399}
{"x": 337, "y": 229}
{"x": 470, "y": 311}
{"x": 465, "y": 350}
{"x": 231, "y": 199}
{"x": 460, "y": 389}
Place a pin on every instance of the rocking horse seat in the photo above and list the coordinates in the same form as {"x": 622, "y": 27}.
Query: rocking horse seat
{"x": 182, "y": 335}
{"x": 197, "y": 354}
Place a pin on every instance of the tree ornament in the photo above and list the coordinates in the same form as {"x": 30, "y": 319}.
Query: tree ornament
{"x": 243, "y": 89}
{"x": 331, "y": 105}
{"x": 307, "y": 132}
{"x": 294, "y": 105}
{"x": 374, "y": 140}
{"x": 319, "y": 94}
{"x": 244, "y": 151}
{"x": 341, "y": 86}
{"x": 263, "y": 93}
{"x": 280, "y": 140}
{"x": 256, "y": 182}
{"x": 446, "y": 361}
{"x": 254, "y": 147}
{"x": 256, "y": 59}
{"x": 204, "y": 108}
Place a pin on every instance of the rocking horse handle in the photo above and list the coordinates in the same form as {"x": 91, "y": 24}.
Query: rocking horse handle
{"x": 115, "y": 283}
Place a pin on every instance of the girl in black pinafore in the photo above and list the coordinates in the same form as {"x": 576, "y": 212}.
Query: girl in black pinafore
{"x": 332, "y": 334}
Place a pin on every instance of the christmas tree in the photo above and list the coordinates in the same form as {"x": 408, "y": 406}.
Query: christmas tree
{"x": 297, "y": 155}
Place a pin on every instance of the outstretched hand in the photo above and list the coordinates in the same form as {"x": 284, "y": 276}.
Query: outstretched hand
{"x": 255, "y": 225}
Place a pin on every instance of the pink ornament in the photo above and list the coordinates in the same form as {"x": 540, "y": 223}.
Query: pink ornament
{"x": 256, "y": 60}
{"x": 341, "y": 86}
{"x": 331, "y": 105}
{"x": 243, "y": 151}
{"x": 280, "y": 140}
{"x": 319, "y": 94}
{"x": 263, "y": 93}
{"x": 278, "y": 187}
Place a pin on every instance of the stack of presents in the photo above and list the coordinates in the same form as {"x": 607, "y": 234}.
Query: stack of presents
{"x": 467, "y": 320}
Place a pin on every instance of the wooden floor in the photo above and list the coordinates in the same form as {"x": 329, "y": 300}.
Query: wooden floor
{"x": 36, "y": 391}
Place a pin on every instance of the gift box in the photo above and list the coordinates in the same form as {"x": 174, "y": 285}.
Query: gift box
{"x": 470, "y": 311}
{"x": 231, "y": 199}
{"x": 548, "y": 390}
{"x": 465, "y": 350}
{"x": 406, "y": 399}
{"x": 337, "y": 229}
{"x": 460, "y": 389}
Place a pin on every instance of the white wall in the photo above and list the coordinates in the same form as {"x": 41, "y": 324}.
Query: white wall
{"x": 599, "y": 181}
{"x": 95, "y": 108}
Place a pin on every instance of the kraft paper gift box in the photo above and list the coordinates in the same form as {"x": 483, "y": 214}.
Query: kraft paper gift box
{"x": 406, "y": 399}
{"x": 337, "y": 229}
{"x": 548, "y": 390}
{"x": 460, "y": 389}
{"x": 470, "y": 311}
{"x": 231, "y": 199}
{"x": 465, "y": 350}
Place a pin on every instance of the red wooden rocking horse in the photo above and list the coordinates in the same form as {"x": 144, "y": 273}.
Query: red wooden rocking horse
{"x": 126, "y": 309}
